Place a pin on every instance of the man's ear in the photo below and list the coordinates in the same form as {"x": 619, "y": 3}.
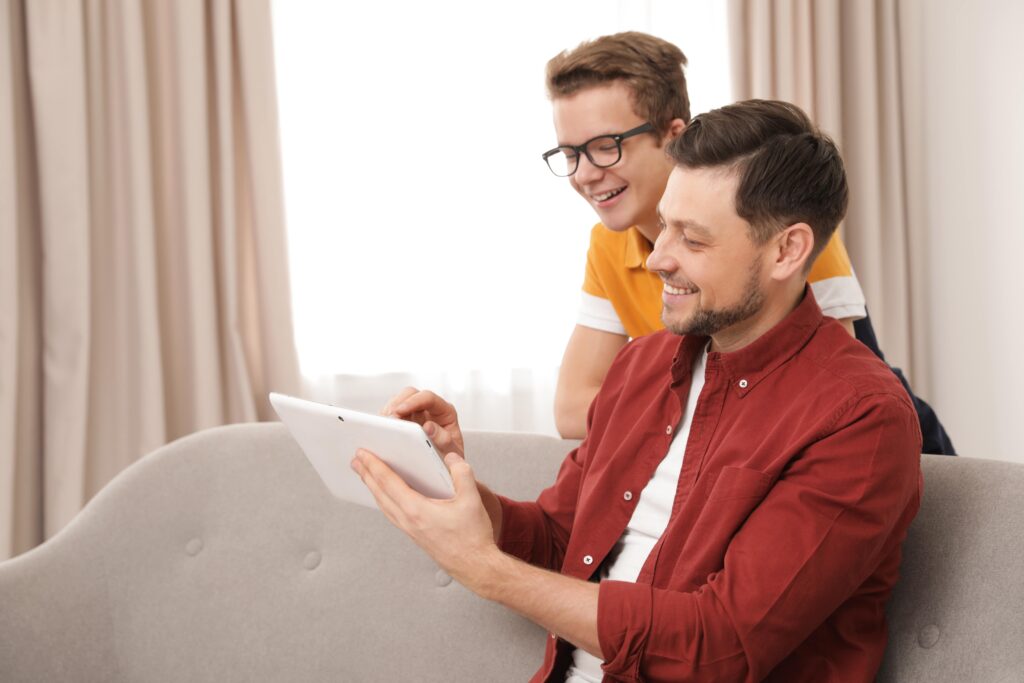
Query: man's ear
{"x": 792, "y": 251}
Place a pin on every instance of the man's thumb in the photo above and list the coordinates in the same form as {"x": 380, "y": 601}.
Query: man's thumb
{"x": 462, "y": 473}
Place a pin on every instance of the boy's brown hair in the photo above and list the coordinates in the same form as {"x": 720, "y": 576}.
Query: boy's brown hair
{"x": 652, "y": 68}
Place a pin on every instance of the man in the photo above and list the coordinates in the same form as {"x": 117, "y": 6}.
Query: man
{"x": 624, "y": 96}
{"x": 737, "y": 509}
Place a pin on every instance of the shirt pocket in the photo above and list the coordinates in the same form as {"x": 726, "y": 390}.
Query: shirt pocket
{"x": 735, "y": 494}
{"x": 739, "y": 483}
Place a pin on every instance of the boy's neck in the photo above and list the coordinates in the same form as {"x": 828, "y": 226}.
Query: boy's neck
{"x": 649, "y": 229}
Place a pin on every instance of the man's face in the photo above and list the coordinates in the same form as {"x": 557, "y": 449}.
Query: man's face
{"x": 713, "y": 272}
{"x": 627, "y": 193}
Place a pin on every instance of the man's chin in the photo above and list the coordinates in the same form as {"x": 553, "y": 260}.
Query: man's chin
{"x": 678, "y": 326}
{"x": 699, "y": 322}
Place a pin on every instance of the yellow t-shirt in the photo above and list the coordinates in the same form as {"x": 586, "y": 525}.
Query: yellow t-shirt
{"x": 620, "y": 295}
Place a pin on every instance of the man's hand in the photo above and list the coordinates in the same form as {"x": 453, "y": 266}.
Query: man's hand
{"x": 436, "y": 415}
{"x": 457, "y": 533}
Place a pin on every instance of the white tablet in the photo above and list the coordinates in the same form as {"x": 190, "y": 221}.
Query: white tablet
{"x": 329, "y": 437}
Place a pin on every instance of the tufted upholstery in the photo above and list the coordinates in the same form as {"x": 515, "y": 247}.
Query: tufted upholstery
{"x": 221, "y": 557}
{"x": 958, "y": 611}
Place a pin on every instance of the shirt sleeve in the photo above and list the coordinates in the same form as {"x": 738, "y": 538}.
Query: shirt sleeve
{"x": 811, "y": 539}
{"x": 840, "y": 297}
{"x": 599, "y": 314}
{"x": 835, "y": 284}
{"x": 596, "y": 310}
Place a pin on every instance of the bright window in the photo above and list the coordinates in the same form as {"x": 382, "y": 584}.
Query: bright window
{"x": 425, "y": 232}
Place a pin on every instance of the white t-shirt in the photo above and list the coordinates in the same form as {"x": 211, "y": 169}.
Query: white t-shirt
{"x": 650, "y": 517}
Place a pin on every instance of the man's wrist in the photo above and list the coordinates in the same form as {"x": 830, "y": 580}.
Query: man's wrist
{"x": 492, "y": 574}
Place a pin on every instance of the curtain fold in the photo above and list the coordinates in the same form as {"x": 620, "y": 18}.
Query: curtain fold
{"x": 145, "y": 290}
{"x": 845, "y": 64}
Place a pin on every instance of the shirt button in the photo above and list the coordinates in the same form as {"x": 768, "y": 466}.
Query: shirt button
{"x": 743, "y": 384}
{"x": 668, "y": 430}
{"x": 628, "y": 495}
{"x": 588, "y": 560}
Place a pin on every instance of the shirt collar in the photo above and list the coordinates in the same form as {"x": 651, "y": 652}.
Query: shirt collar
{"x": 637, "y": 248}
{"x": 746, "y": 367}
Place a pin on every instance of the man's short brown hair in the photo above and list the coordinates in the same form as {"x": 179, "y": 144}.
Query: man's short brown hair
{"x": 789, "y": 171}
{"x": 652, "y": 68}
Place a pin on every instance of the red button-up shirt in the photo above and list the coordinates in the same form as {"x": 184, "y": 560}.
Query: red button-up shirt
{"x": 800, "y": 478}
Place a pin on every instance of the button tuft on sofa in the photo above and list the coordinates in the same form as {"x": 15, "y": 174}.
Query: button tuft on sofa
{"x": 312, "y": 560}
{"x": 929, "y": 636}
{"x": 194, "y": 546}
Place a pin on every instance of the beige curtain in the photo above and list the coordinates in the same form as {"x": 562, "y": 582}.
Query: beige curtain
{"x": 143, "y": 271}
{"x": 847, "y": 64}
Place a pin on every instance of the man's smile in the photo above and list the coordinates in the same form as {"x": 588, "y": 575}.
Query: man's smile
{"x": 676, "y": 291}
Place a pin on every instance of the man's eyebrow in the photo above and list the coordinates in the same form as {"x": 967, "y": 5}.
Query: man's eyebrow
{"x": 696, "y": 227}
{"x": 685, "y": 224}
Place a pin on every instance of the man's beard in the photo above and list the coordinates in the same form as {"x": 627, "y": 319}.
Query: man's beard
{"x": 705, "y": 322}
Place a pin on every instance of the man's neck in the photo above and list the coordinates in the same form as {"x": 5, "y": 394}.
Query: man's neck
{"x": 744, "y": 333}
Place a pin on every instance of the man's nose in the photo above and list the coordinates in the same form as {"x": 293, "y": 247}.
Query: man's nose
{"x": 658, "y": 261}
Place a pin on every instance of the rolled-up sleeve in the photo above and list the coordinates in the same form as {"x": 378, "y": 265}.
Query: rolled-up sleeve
{"x": 836, "y": 517}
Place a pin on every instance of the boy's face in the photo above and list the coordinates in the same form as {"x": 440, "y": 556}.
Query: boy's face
{"x": 627, "y": 193}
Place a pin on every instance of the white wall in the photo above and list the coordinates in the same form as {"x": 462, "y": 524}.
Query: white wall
{"x": 972, "y": 99}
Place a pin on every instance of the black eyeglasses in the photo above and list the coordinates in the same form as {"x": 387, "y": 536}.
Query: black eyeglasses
{"x": 602, "y": 151}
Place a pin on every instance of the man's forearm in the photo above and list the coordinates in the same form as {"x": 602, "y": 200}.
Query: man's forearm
{"x": 563, "y": 605}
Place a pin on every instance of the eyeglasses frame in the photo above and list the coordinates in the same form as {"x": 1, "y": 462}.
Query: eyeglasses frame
{"x": 581, "y": 150}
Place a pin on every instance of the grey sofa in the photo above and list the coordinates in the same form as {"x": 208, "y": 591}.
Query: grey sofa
{"x": 221, "y": 557}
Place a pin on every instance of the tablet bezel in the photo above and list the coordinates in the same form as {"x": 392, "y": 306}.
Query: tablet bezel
{"x": 330, "y": 436}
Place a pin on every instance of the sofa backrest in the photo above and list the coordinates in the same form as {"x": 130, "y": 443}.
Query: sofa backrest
{"x": 222, "y": 557}
{"x": 958, "y": 610}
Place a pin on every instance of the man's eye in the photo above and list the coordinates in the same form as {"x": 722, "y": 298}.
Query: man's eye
{"x": 690, "y": 243}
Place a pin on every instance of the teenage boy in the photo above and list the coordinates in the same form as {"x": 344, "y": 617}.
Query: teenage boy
{"x": 737, "y": 509}
{"x": 618, "y": 101}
